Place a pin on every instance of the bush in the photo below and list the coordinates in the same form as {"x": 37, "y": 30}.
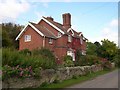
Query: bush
{"x": 82, "y": 60}
{"x": 47, "y": 58}
{"x": 13, "y": 58}
{"x": 68, "y": 61}
{"x": 106, "y": 64}
{"x": 117, "y": 60}
{"x": 25, "y": 52}
{"x": 44, "y": 58}
{"x": 10, "y": 57}
{"x": 91, "y": 59}
{"x": 19, "y": 72}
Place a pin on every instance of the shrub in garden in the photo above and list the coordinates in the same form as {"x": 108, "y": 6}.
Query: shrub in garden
{"x": 10, "y": 57}
{"x": 25, "y": 52}
{"x": 19, "y": 72}
{"x": 91, "y": 59}
{"x": 13, "y": 58}
{"x": 44, "y": 59}
{"x": 117, "y": 60}
{"x": 47, "y": 58}
{"x": 82, "y": 60}
{"x": 106, "y": 64}
{"x": 68, "y": 61}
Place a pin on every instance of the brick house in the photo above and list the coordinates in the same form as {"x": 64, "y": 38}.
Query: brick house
{"x": 61, "y": 39}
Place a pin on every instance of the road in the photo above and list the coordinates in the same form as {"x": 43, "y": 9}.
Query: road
{"x": 109, "y": 80}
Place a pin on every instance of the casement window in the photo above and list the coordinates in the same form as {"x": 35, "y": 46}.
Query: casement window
{"x": 69, "y": 38}
{"x": 70, "y": 53}
{"x": 81, "y": 41}
{"x": 27, "y": 38}
{"x": 59, "y": 34}
{"x": 50, "y": 40}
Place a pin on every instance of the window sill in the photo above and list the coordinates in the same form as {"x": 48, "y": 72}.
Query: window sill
{"x": 26, "y": 41}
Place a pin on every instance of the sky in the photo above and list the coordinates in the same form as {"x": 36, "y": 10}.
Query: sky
{"x": 96, "y": 20}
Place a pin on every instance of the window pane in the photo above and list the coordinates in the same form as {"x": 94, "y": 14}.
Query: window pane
{"x": 50, "y": 40}
{"x": 27, "y": 38}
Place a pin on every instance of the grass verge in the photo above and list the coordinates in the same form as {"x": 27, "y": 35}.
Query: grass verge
{"x": 76, "y": 80}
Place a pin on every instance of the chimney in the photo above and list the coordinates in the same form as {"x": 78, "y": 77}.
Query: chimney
{"x": 50, "y": 18}
{"x": 66, "y": 20}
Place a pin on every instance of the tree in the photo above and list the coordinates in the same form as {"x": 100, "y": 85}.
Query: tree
{"x": 91, "y": 48}
{"x": 99, "y": 49}
{"x": 117, "y": 58}
{"x": 108, "y": 49}
{"x": 6, "y": 41}
{"x": 9, "y": 33}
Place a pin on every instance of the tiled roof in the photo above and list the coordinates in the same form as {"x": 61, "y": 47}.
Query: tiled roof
{"x": 57, "y": 24}
{"x": 48, "y": 33}
{"x": 44, "y": 30}
{"x": 62, "y": 28}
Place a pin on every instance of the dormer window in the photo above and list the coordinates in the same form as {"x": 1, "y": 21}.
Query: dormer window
{"x": 27, "y": 38}
{"x": 59, "y": 34}
{"x": 69, "y": 38}
{"x": 50, "y": 40}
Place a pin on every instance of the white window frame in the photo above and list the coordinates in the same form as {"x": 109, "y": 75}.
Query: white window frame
{"x": 70, "y": 53}
{"x": 50, "y": 40}
{"x": 59, "y": 34}
{"x": 83, "y": 52}
{"x": 81, "y": 41}
{"x": 69, "y": 38}
{"x": 27, "y": 38}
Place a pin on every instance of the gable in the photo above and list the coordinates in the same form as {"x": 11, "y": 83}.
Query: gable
{"x": 71, "y": 31}
{"x": 25, "y": 28}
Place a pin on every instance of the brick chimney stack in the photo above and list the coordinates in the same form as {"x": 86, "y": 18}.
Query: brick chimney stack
{"x": 50, "y": 18}
{"x": 66, "y": 20}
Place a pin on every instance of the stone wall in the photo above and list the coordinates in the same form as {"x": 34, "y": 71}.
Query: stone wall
{"x": 49, "y": 75}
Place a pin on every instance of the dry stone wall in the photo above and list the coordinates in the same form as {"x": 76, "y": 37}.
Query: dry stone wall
{"x": 50, "y": 75}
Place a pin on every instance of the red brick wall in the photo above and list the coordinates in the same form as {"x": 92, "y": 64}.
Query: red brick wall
{"x": 60, "y": 53}
{"x": 36, "y": 40}
{"x": 76, "y": 43}
{"x": 48, "y": 45}
{"x": 62, "y": 41}
{"x": 83, "y": 46}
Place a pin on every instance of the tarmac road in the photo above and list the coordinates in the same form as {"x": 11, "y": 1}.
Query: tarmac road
{"x": 109, "y": 80}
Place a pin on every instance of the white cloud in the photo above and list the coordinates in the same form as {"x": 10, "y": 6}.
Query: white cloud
{"x": 111, "y": 31}
{"x": 11, "y": 9}
{"x": 39, "y": 16}
{"x": 67, "y": 0}
{"x": 114, "y": 23}
{"x": 45, "y": 5}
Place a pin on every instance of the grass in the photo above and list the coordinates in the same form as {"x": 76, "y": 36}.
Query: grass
{"x": 76, "y": 80}
{"x": 73, "y": 81}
